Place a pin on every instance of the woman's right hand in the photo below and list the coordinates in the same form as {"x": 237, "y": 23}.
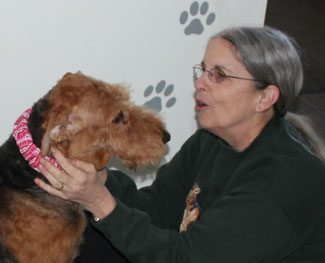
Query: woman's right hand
{"x": 79, "y": 182}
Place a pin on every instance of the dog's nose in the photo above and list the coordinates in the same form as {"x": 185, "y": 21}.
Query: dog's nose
{"x": 165, "y": 136}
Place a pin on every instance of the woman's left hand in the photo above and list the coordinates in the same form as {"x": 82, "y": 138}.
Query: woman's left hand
{"x": 77, "y": 181}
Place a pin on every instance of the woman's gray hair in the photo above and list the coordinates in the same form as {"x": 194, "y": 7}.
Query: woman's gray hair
{"x": 271, "y": 57}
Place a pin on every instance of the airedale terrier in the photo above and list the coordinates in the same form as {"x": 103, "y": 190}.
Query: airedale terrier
{"x": 86, "y": 119}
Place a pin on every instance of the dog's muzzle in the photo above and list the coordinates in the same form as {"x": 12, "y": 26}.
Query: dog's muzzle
{"x": 165, "y": 136}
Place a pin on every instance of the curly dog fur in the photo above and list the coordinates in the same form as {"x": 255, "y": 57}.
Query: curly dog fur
{"x": 86, "y": 119}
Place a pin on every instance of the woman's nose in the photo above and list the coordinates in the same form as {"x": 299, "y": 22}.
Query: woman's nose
{"x": 200, "y": 83}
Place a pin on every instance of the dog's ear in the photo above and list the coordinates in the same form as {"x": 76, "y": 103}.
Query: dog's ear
{"x": 67, "y": 74}
{"x": 61, "y": 134}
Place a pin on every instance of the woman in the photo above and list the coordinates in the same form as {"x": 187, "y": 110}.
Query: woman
{"x": 241, "y": 189}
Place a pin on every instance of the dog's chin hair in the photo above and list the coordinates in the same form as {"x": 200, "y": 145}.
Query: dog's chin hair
{"x": 130, "y": 165}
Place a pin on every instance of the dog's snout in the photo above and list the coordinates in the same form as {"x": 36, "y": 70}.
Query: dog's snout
{"x": 165, "y": 136}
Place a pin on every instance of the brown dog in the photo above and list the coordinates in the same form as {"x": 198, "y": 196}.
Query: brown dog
{"x": 86, "y": 119}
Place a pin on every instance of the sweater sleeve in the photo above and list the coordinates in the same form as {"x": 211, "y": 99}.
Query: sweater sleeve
{"x": 164, "y": 200}
{"x": 241, "y": 227}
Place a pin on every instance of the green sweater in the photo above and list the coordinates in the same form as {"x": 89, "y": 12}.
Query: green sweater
{"x": 265, "y": 204}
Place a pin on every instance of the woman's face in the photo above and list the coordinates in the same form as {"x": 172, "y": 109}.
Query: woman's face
{"x": 229, "y": 105}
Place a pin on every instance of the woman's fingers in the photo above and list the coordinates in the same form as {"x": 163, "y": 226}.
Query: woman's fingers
{"x": 64, "y": 162}
{"x": 55, "y": 176}
{"x": 50, "y": 189}
{"x": 57, "y": 179}
{"x": 87, "y": 167}
{"x": 72, "y": 166}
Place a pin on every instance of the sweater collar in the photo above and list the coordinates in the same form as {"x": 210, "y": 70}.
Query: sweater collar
{"x": 268, "y": 129}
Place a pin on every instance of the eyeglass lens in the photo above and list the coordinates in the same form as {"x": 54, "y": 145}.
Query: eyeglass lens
{"x": 215, "y": 75}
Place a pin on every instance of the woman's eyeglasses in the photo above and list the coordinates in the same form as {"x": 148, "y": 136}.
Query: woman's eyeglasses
{"x": 215, "y": 75}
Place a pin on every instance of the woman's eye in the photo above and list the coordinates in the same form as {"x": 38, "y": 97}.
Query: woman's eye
{"x": 219, "y": 76}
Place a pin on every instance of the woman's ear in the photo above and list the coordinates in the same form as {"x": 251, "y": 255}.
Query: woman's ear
{"x": 268, "y": 97}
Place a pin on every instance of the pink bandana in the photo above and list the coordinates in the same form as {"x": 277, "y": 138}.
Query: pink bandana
{"x": 24, "y": 141}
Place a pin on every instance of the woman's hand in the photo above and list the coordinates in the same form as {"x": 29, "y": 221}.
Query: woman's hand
{"x": 79, "y": 182}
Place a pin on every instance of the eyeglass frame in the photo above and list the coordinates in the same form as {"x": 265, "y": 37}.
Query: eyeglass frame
{"x": 211, "y": 74}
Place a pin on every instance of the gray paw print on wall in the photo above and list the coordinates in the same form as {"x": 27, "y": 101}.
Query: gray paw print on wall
{"x": 196, "y": 25}
{"x": 160, "y": 96}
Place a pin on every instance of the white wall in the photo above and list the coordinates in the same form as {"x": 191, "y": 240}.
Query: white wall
{"x": 140, "y": 43}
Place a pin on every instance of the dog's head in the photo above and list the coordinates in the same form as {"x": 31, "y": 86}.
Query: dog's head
{"x": 91, "y": 120}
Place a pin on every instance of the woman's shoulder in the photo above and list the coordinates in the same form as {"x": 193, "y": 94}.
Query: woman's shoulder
{"x": 290, "y": 168}
{"x": 282, "y": 161}
{"x": 292, "y": 152}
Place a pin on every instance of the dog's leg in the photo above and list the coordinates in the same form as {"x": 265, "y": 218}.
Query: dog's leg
{"x": 34, "y": 232}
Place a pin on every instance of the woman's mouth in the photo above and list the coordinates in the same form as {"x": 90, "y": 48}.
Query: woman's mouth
{"x": 200, "y": 105}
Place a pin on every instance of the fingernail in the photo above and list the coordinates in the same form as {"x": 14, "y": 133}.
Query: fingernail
{"x": 37, "y": 181}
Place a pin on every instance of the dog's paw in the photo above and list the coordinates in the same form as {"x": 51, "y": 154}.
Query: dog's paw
{"x": 161, "y": 96}
{"x": 196, "y": 25}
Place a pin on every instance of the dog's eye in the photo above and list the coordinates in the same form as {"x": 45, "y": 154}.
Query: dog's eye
{"x": 119, "y": 117}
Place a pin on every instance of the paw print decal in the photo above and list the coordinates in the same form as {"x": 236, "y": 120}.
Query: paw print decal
{"x": 196, "y": 25}
{"x": 160, "y": 96}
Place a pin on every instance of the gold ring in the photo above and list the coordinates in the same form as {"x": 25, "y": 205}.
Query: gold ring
{"x": 61, "y": 187}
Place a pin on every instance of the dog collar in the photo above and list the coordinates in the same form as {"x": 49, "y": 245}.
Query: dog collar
{"x": 24, "y": 141}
